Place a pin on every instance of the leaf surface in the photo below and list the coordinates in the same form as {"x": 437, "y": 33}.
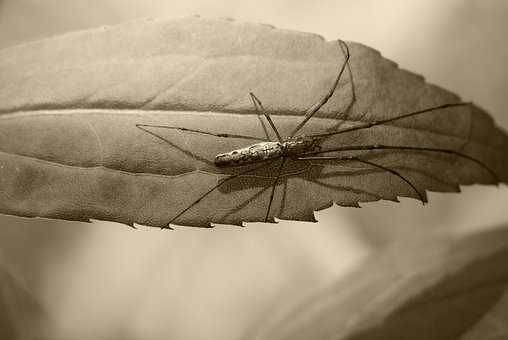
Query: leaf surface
{"x": 70, "y": 148}
{"x": 437, "y": 288}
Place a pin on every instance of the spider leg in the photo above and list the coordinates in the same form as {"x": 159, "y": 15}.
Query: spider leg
{"x": 375, "y": 165}
{"x": 263, "y": 125}
{"x": 213, "y": 189}
{"x": 283, "y": 200}
{"x": 244, "y": 203}
{"x": 221, "y": 135}
{"x": 316, "y": 106}
{"x": 389, "y": 120}
{"x": 165, "y": 140}
{"x": 274, "y": 185}
{"x": 407, "y": 148}
{"x": 257, "y": 102}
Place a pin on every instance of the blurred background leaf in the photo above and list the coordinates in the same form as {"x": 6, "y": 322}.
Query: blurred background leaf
{"x": 434, "y": 288}
{"x": 21, "y": 315}
{"x": 493, "y": 325}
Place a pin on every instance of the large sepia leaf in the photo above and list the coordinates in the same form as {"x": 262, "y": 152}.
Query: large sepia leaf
{"x": 437, "y": 288}
{"x": 70, "y": 147}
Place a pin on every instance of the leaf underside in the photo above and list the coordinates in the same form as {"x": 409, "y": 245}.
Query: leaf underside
{"x": 70, "y": 148}
{"x": 437, "y": 288}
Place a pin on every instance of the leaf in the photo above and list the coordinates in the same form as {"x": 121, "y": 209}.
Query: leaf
{"x": 21, "y": 315}
{"x": 435, "y": 288}
{"x": 70, "y": 148}
{"x": 493, "y": 325}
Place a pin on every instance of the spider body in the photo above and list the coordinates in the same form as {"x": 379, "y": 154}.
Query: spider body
{"x": 255, "y": 153}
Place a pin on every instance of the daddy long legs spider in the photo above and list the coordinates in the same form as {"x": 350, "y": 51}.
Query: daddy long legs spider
{"x": 300, "y": 147}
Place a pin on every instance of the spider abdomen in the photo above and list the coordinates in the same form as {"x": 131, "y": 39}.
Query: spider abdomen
{"x": 251, "y": 154}
{"x": 265, "y": 151}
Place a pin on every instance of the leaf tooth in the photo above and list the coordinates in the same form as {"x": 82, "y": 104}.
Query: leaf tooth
{"x": 350, "y": 204}
{"x": 325, "y": 206}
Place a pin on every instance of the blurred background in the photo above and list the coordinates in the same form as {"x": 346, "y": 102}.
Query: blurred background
{"x": 65, "y": 280}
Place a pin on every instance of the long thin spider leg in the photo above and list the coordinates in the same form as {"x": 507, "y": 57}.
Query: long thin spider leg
{"x": 263, "y": 125}
{"x": 315, "y": 107}
{"x": 346, "y": 110}
{"x": 212, "y": 189}
{"x": 257, "y": 102}
{"x": 221, "y": 135}
{"x": 408, "y": 148}
{"x": 353, "y": 89}
{"x": 389, "y": 120}
{"x": 353, "y": 158}
{"x": 342, "y": 188}
{"x": 274, "y": 185}
{"x": 283, "y": 200}
{"x": 187, "y": 152}
{"x": 245, "y": 203}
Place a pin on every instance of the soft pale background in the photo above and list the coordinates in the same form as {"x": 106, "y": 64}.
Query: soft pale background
{"x": 106, "y": 281}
